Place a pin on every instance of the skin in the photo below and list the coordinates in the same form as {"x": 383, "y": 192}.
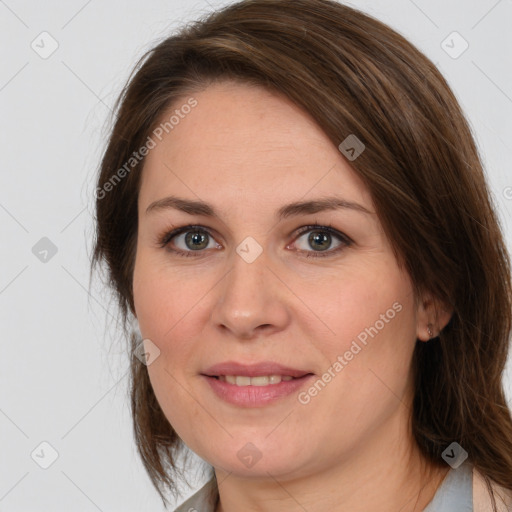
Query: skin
{"x": 248, "y": 152}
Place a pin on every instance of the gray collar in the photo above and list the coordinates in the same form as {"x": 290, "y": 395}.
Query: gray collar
{"x": 455, "y": 493}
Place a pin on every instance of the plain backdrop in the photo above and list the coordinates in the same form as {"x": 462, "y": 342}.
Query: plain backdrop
{"x": 63, "y": 379}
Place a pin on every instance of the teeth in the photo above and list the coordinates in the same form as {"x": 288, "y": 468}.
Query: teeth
{"x": 264, "y": 380}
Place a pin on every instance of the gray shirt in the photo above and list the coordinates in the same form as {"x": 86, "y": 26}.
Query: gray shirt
{"x": 455, "y": 494}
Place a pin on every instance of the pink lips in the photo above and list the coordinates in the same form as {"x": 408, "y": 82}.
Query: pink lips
{"x": 254, "y": 396}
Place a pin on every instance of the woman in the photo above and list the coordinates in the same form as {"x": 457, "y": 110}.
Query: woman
{"x": 292, "y": 209}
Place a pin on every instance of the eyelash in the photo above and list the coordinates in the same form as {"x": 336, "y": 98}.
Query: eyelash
{"x": 164, "y": 239}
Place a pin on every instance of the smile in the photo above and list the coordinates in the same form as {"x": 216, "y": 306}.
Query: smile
{"x": 263, "y": 380}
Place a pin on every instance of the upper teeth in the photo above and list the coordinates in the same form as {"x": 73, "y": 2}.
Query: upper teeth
{"x": 264, "y": 380}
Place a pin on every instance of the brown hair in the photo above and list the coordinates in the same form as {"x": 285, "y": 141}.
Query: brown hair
{"x": 353, "y": 75}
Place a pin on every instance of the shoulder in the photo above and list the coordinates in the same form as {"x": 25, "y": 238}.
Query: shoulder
{"x": 482, "y": 500}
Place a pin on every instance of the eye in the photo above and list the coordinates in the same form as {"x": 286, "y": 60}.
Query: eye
{"x": 188, "y": 239}
{"x": 192, "y": 240}
{"x": 320, "y": 238}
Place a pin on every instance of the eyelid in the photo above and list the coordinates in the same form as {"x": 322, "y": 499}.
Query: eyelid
{"x": 167, "y": 235}
{"x": 165, "y": 238}
{"x": 345, "y": 240}
{"x": 322, "y": 227}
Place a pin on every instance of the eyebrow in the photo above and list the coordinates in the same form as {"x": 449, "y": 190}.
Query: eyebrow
{"x": 290, "y": 210}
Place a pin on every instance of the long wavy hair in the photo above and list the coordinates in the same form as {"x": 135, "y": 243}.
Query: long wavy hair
{"x": 353, "y": 75}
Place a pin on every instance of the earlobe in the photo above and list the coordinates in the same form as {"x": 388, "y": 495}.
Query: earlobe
{"x": 432, "y": 318}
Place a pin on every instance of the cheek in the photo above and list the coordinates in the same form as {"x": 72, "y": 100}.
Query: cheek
{"x": 164, "y": 300}
{"x": 370, "y": 304}
{"x": 367, "y": 359}
{"x": 368, "y": 352}
{"x": 163, "y": 303}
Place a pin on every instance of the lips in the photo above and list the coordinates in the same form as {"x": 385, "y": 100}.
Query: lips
{"x": 254, "y": 385}
{"x": 264, "y": 368}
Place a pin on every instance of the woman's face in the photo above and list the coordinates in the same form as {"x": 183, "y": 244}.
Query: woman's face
{"x": 256, "y": 286}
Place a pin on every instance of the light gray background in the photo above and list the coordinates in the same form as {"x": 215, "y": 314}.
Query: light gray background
{"x": 63, "y": 369}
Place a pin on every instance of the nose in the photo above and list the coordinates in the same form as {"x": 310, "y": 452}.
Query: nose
{"x": 251, "y": 300}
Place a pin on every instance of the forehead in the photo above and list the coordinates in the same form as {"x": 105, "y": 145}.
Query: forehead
{"x": 248, "y": 141}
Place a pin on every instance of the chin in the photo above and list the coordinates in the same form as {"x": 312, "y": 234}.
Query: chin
{"x": 257, "y": 459}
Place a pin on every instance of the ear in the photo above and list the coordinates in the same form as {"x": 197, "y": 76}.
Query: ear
{"x": 431, "y": 313}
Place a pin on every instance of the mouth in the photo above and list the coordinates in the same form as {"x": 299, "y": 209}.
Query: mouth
{"x": 260, "y": 380}
{"x": 254, "y": 385}
{"x": 262, "y": 369}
